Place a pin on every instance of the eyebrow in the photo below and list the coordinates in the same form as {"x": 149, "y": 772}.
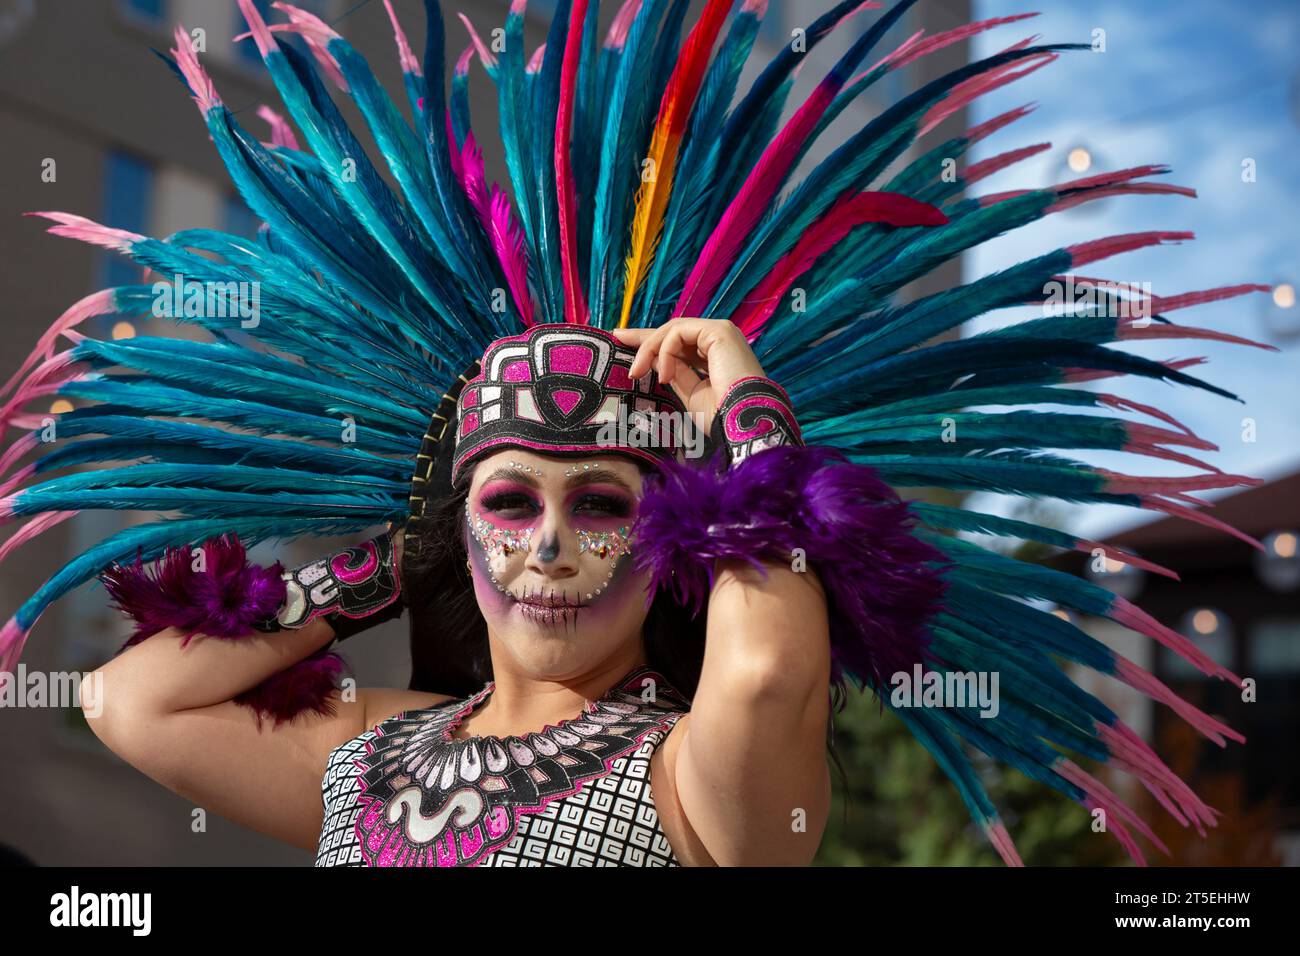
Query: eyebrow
{"x": 598, "y": 475}
{"x": 594, "y": 476}
{"x": 512, "y": 474}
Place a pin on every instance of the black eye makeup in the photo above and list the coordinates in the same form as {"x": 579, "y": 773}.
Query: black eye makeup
{"x": 509, "y": 503}
{"x": 602, "y": 505}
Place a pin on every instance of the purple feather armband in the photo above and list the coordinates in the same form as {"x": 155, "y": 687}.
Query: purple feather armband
{"x": 883, "y": 584}
{"x": 223, "y": 598}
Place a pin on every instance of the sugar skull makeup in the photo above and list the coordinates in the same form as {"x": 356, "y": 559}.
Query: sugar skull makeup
{"x": 588, "y": 536}
{"x": 501, "y": 544}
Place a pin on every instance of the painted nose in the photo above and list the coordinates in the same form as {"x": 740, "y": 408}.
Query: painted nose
{"x": 550, "y": 556}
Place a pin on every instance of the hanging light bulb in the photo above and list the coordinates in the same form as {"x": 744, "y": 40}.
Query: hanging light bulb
{"x": 1278, "y": 565}
{"x": 1210, "y": 630}
{"x": 1279, "y": 313}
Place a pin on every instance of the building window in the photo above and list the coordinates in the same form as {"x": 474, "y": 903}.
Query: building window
{"x": 151, "y": 11}
{"x": 1275, "y": 646}
{"x": 128, "y": 187}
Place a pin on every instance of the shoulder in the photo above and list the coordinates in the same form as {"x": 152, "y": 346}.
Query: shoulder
{"x": 372, "y": 707}
{"x": 381, "y": 703}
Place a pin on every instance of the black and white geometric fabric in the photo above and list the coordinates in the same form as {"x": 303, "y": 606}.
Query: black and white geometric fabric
{"x": 406, "y": 793}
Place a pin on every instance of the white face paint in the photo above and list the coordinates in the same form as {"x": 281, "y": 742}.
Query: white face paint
{"x": 550, "y": 552}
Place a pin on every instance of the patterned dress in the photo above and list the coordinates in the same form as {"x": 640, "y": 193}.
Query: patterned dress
{"x": 407, "y": 793}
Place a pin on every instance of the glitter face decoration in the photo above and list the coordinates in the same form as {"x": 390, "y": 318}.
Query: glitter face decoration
{"x": 500, "y": 542}
{"x": 551, "y": 557}
{"x": 609, "y": 545}
{"x": 506, "y": 542}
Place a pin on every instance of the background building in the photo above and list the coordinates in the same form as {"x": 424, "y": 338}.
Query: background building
{"x": 1241, "y": 606}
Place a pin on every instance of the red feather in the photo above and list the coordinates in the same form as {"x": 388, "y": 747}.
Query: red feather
{"x": 849, "y": 212}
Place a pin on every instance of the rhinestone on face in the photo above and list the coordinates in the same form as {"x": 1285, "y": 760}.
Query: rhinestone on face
{"x": 604, "y": 544}
{"x": 499, "y": 541}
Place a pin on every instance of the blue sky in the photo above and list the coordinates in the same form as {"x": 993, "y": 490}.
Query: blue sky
{"x": 1199, "y": 86}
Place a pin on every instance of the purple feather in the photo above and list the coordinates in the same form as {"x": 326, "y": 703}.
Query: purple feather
{"x": 305, "y": 686}
{"x": 223, "y": 600}
{"x": 883, "y": 584}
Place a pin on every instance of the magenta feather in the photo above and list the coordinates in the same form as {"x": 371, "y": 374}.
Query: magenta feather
{"x": 508, "y": 241}
{"x": 305, "y": 687}
{"x": 493, "y": 208}
{"x": 223, "y": 599}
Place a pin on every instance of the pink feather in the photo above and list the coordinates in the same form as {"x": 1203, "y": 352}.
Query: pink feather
{"x": 995, "y": 164}
{"x": 497, "y": 216}
{"x": 616, "y": 38}
{"x": 37, "y": 526}
{"x": 281, "y": 133}
{"x": 535, "y": 61}
{"x": 486, "y": 56}
{"x": 915, "y": 48}
{"x": 963, "y": 93}
{"x": 97, "y": 303}
{"x": 1085, "y": 252}
{"x": 1002, "y": 120}
{"x": 404, "y": 55}
{"x": 315, "y": 32}
{"x": 187, "y": 61}
{"x": 87, "y": 230}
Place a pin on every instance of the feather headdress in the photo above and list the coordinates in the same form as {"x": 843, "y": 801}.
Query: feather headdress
{"x": 644, "y": 183}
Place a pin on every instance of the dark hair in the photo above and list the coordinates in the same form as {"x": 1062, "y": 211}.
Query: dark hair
{"x": 449, "y": 642}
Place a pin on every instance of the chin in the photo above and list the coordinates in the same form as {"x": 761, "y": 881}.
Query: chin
{"x": 557, "y": 651}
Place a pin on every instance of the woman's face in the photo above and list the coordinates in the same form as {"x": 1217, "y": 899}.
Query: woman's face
{"x": 550, "y": 556}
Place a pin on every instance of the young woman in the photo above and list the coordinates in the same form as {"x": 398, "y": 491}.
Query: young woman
{"x": 621, "y": 648}
{"x": 729, "y": 769}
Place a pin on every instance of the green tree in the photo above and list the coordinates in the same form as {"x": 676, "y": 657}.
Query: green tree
{"x": 900, "y": 809}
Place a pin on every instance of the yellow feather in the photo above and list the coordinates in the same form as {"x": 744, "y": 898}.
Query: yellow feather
{"x": 651, "y": 206}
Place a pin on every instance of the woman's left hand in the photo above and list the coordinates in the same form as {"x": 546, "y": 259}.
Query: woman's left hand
{"x": 681, "y": 345}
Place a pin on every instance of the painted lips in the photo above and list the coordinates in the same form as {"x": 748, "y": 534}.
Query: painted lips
{"x": 549, "y": 600}
{"x": 548, "y": 608}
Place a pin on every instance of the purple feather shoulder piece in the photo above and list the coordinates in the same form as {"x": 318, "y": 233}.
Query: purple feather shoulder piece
{"x": 883, "y": 584}
{"x": 222, "y": 596}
